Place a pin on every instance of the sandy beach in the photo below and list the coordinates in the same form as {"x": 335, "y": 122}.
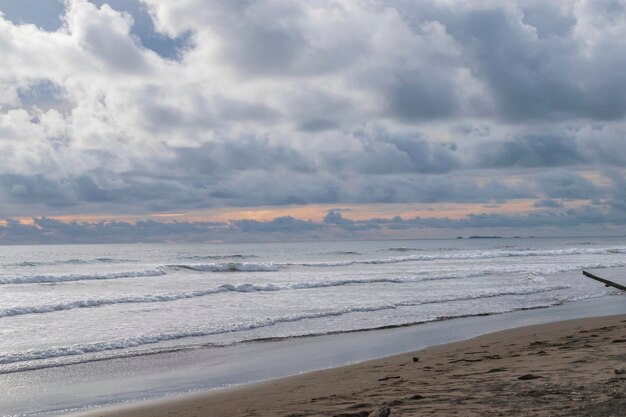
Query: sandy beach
{"x": 568, "y": 368}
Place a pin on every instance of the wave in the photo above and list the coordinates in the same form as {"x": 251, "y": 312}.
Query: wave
{"x": 149, "y": 298}
{"x": 401, "y": 249}
{"x": 272, "y": 267}
{"x": 36, "y": 279}
{"x": 468, "y": 255}
{"x": 244, "y": 288}
{"x": 341, "y": 252}
{"x": 71, "y": 262}
{"x": 118, "y": 344}
{"x": 516, "y": 248}
{"x": 407, "y": 249}
{"x": 160, "y": 271}
{"x": 18, "y": 366}
{"x": 210, "y": 257}
{"x": 536, "y": 277}
{"x": 228, "y": 267}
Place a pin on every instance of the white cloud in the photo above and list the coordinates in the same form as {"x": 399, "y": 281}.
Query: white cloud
{"x": 282, "y": 102}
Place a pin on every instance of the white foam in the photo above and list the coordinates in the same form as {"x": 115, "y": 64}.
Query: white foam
{"x": 229, "y": 267}
{"x": 533, "y": 276}
{"x": 33, "y": 279}
{"x": 492, "y": 254}
{"x": 118, "y": 344}
{"x": 244, "y": 287}
{"x": 211, "y": 257}
{"x": 148, "y": 298}
{"x": 70, "y": 262}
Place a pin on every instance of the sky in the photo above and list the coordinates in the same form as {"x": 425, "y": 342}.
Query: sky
{"x": 198, "y": 120}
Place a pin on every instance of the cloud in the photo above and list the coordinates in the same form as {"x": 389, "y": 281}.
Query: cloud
{"x": 143, "y": 30}
{"x": 587, "y": 219}
{"x": 143, "y": 106}
{"x": 568, "y": 185}
{"x": 46, "y": 230}
{"x": 377, "y": 153}
{"x": 548, "y": 203}
{"x": 286, "y": 224}
{"x": 549, "y": 77}
{"x": 529, "y": 151}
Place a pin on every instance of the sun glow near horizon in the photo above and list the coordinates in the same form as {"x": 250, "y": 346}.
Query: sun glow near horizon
{"x": 317, "y": 212}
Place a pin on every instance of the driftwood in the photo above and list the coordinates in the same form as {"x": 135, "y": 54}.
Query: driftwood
{"x": 605, "y": 281}
{"x": 383, "y": 411}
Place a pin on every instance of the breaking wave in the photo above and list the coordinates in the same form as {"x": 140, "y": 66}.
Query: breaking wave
{"x": 402, "y": 249}
{"x": 149, "y": 298}
{"x": 71, "y": 262}
{"x": 341, "y": 252}
{"x": 245, "y": 288}
{"x": 36, "y": 279}
{"x": 228, "y": 267}
{"x": 469, "y": 255}
{"x": 210, "y": 257}
{"x": 160, "y": 271}
{"x": 533, "y": 276}
{"x": 118, "y": 344}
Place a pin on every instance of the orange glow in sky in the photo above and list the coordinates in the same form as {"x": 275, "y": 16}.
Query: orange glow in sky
{"x": 317, "y": 212}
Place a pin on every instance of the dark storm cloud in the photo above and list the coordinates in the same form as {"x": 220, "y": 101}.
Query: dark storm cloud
{"x": 334, "y": 217}
{"x": 260, "y": 44}
{"x": 286, "y": 224}
{"x": 548, "y": 202}
{"x": 568, "y": 185}
{"x": 315, "y": 111}
{"x": 201, "y": 189}
{"x": 417, "y": 96}
{"x": 393, "y": 155}
{"x": 199, "y": 113}
{"x": 617, "y": 199}
{"x": 429, "y": 189}
{"x": 569, "y": 218}
{"x": 565, "y": 219}
{"x": 531, "y": 57}
{"x": 529, "y": 152}
{"x": 545, "y": 78}
{"x": 23, "y": 189}
{"x": 276, "y": 189}
{"x": 245, "y": 154}
{"x": 278, "y": 38}
{"x": 547, "y": 18}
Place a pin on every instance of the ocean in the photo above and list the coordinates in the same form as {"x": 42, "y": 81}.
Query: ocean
{"x": 80, "y": 304}
{"x": 68, "y": 304}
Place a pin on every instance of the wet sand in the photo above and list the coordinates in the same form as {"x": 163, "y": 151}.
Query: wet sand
{"x": 568, "y": 368}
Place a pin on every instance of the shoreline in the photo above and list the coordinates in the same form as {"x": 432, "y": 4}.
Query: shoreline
{"x": 573, "y": 367}
{"x": 96, "y": 386}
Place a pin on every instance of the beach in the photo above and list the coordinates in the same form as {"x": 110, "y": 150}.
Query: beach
{"x": 90, "y": 327}
{"x": 312, "y": 209}
{"x": 574, "y": 367}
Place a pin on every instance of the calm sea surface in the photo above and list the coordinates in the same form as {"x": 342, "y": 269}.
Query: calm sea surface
{"x": 70, "y": 304}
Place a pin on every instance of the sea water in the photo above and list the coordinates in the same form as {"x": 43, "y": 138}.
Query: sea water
{"x": 70, "y": 304}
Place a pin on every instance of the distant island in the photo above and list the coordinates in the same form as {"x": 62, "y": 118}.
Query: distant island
{"x": 485, "y": 237}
